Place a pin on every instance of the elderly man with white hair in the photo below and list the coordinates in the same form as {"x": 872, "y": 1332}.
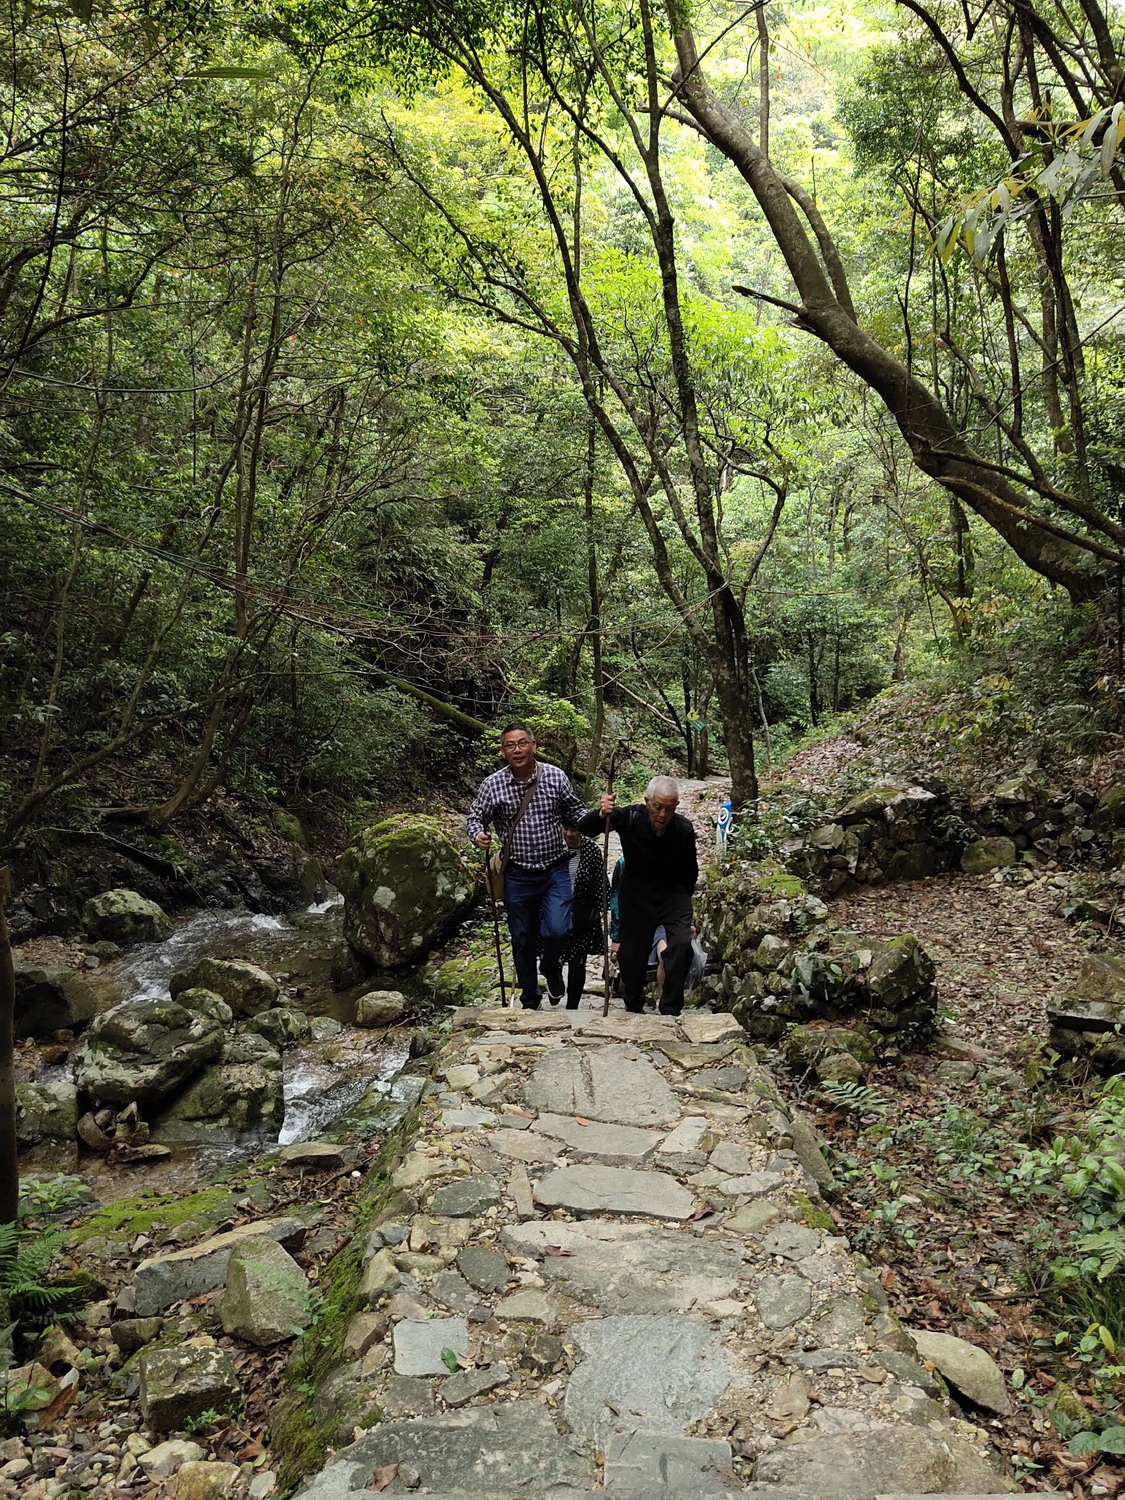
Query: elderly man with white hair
{"x": 656, "y": 884}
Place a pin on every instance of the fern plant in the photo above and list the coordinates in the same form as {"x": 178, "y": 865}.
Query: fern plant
{"x": 854, "y": 1098}
{"x": 27, "y": 1295}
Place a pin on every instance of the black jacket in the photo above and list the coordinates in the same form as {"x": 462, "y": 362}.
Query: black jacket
{"x": 652, "y": 864}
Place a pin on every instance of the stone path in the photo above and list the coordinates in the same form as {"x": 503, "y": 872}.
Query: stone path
{"x": 605, "y": 1268}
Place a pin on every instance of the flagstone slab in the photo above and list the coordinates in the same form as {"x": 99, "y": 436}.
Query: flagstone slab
{"x": 616, "y": 1144}
{"x": 615, "y": 1190}
{"x": 613, "y": 1084}
{"x": 645, "y": 1374}
{"x": 625, "y": 1027}
{"x": 523, "y": 1021}
{"x": 523, "y": 1145}
{"x": 472, "y": 1117}
{"x": 782, "y": 1300}
{"x": 629, "y": 1268}
{"x": 507, "y": 1448}
{"x": 711, "y": 1026}
{"x": 692, "y": 1055}
{"x": 419, "y": 1344}
{"x": 641, "y": 1462}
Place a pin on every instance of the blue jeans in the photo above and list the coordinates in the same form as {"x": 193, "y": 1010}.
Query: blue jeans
{"x": 537, "y": 904}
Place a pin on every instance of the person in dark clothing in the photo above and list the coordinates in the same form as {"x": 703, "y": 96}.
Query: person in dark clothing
{"x": 587, "y": 931}
{"x": 657, "y": 882}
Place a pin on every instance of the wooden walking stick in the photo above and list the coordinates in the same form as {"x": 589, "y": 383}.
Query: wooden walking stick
{"x": 496, "y": 933}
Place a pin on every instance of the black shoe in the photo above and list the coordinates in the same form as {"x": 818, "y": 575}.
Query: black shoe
{"x": 527, "y": 1005}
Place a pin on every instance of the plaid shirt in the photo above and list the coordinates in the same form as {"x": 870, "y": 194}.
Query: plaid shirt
{"x": 537, "y": 842}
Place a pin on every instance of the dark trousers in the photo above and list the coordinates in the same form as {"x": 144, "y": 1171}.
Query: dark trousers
{"x": 642, "y": 911}
{"x": 537, "y": 904}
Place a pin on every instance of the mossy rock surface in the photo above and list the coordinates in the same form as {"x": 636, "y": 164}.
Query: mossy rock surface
{"x": 406, "y": 882}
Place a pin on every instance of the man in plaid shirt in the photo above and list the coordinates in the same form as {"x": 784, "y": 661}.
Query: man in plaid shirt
{"x": 537, "y": 888}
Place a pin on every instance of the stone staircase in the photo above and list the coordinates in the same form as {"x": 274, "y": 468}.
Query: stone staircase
{"x": 605, "y": 1269}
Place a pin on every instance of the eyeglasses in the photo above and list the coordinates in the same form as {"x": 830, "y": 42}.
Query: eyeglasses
{"x": 516, "y": 744}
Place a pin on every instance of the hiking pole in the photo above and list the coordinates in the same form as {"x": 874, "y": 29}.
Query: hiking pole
{"x": 605, "y": 861}
{"x": 496, "y": 933}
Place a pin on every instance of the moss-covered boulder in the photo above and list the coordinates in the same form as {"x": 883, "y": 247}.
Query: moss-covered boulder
{"x": 124, "y": 916}
{"x": 144, "y": 1050}
{"x": 46, "y": 1112}
{"x": 244, "y": 1090}
{"x": 984, "y": 855}
{"x": 245, "y": 987}
{"x": 267, "y": 1298}
{"x": 1110, "y": 811}
{"x": 406, "y": 882}
{"x": 281, "y": 1026}
{"x": 51, "y": 997}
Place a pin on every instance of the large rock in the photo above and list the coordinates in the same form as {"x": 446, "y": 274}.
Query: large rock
{"x": 125, "y": 916}
{"x": 46, "y": 1112}
{"x": 879, "y": 1459}
{"x": 592, "y": 1189}
{"x": 984, "y": 855}
{"x": 267, "y": 1296}
{"x": 245, "y": 987}
{"x": 177, "y": 1385}
{"x": 281, "y": 1026}
{"x": 144, "y": 1050}
{"x": 161, "y": 1280}
{"x": 665, "y": 1372}
{"x": 1110, "y": 811}
{"x": 901, "y": 975}
{"x": 405, "y": 883}
{"x": 50, "y": 997}
{"x": 380, "y": 1008}
{"x": 969, "y": 1369}
{"x": 244, "y": 1090}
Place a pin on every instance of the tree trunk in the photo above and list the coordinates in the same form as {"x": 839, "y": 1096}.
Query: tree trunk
{"x": 938, "y": 446}
{"x": 9, "y": 1167}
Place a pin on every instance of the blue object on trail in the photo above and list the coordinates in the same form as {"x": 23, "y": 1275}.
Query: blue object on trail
{"x": 723, "y": 821}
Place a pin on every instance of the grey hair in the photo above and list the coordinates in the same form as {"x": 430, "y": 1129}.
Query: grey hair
{"x": 663, "y": 786}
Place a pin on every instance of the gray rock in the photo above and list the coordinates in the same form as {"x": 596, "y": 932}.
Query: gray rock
{"x": 529, "y": 1306}
{"x": 729, "y": 1079}
{"x": 522, "y": 1145}
{"x": 782, "y": 1300}
{"x": 162, "y": 1461}
{"x": 203, "y": 1002}
{"x": 806, "y": 1146}
{"x": 231, "y": 1095}
{"x": 467, "y": 1197}
{"x": 882, "y": 1460}
{"x": 51, "y": 997}
{"x": 513, "y": 1448}
{"x": 419, "y": 1345}
{"x": 639, "y": 1463}
{"x": 468, "y": 1118}
{"x": 611, "y": 1083}
{"x": 267, "y": 1298}
{"x": 983, "y": 855}
{"x": 380, "y": 1008}
{"x": 453, "y": 1291}
{"x": 280, "y": 1025}
{"x": 407, "y": 1396}
{"x": 161, "y": 1280}
{"x": 179, "y": 1384}
{"x": 245, "y": 987}
{"x": 614, "y": 1144}
{"x": 131, "y": 1334}
{"x": 969, "y": 1369}
{"x": 46, "y": 1112}
{"x": 660, "y": 1373}
{"x": 466, "y": 1385}
{"x": 405, "y": 883}
{"x": 730, "y": 1157}
{"x": 142, "y": 1050}
{"x": 485, "y": 1269}
{"x": 620, "y": 1190}
{"x": 792, "y": 1241}
{"x": 321, "y": 1155}
{"x": 908, "y": 1371}
{"x": 124, "y": 916}
{"x": 629, "y": 1268}
{"x": 752, "y": 1219}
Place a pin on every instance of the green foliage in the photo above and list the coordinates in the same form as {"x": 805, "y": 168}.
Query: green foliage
{"x": 860, "y": 1099}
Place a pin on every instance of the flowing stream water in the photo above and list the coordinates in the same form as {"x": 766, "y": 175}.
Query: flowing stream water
{"x": 324, "y": 1076}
